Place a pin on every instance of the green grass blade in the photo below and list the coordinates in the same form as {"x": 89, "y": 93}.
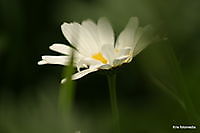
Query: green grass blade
{"x": 67, "y": 90}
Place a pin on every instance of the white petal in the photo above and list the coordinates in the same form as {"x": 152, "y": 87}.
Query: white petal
{"x": 126, "y": 37}
{"x": 120, "y": 60}
{"x": 105, "y": 66}
{"x": 105, "y": 32}
{"x": 42, "y": 62}
{"x": 61, "y": 48}
{"x": 92, "y": 28}
{"x": 144, "y": 39}
{"x": 80, "y": 38}
{"x": 123, "y": 52}
{"x": 138, "y": 34}
{"x": 86, "y": 62}
{"x": 83, "y": 73}
{"x": 63, "y": 81}
{"x": 67, "y": 50}
{"x": 60, "y": 60}
{"x": 89, "y": 61}
{"x": 108, "y": 52}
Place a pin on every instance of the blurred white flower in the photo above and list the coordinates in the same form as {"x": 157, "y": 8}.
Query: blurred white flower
{"x": 95, "y": 46}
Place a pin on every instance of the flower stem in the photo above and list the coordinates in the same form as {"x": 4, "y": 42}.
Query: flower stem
{"x": 113, "y": 99}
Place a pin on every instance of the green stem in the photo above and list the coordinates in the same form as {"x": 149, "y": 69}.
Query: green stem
{"x": 113, "y": 100}
{"x": 66, "y": 98}
{"x": 190, "y": 110}
{"x": 189, "y": 107}
{"x": 67, "y": 90}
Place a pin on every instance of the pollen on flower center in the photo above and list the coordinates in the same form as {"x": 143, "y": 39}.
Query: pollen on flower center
{"x": 99, "y": 57}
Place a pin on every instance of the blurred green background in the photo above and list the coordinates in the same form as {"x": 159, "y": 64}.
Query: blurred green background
{"x": 159, "y": 89}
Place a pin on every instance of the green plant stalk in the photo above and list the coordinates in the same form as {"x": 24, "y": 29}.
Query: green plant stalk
{"x": 113, "y": 99}
{"x": 67, "y": 91}
{"x": 66, "y": 98}
{"x": 189, "y": 107}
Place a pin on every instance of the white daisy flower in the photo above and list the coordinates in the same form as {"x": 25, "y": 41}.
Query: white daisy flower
{"x": 95, "y": 45}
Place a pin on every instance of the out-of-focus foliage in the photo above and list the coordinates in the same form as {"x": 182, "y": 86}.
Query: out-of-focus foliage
{"x": 172, "y": 64}
{"x": 67, "y": 89}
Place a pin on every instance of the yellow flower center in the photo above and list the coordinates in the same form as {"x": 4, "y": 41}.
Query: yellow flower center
{"x": 99, "y": 57}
